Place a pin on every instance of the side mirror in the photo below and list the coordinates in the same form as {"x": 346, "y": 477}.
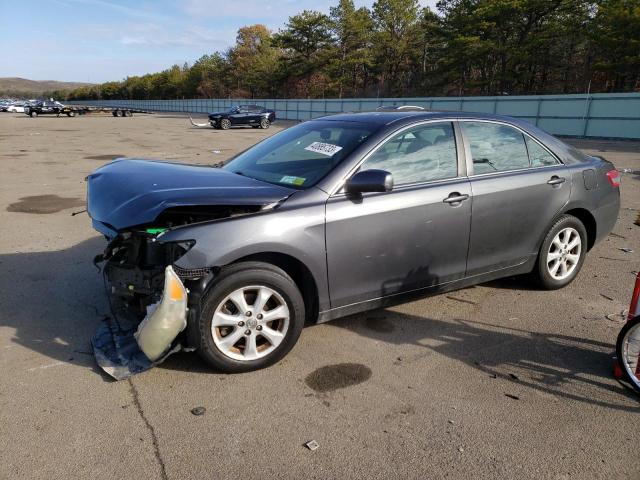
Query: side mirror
{"x": 370, "y": 181}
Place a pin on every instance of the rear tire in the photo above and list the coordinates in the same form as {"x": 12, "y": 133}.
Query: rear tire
{"x": 248, "y": 346}
{"x": 561, "y": 254}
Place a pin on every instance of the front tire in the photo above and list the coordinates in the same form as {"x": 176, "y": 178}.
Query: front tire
{"x": 264, "y": 123}
{"x": 251, "y": 318}
{"x": 562, "y": 253}
{"x": 225, "y": 124}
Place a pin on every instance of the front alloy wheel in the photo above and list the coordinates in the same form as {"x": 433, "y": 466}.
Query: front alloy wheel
{"x": 250, "y": 323}
{"x": 264, "y": 123}
{"x": 250, "y": 318}
{"x": 225, "y": 124}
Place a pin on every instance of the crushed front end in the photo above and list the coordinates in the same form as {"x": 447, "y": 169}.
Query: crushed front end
{"x": 136, "y": 205}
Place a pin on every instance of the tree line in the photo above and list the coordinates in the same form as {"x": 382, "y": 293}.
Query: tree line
{"x": 395, "y": 49}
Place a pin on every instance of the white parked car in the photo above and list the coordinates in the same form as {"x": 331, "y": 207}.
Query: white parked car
{"x": 16, "y": 107}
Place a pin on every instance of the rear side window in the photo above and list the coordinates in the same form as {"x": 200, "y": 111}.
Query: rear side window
{"x": 418, "y": 154}
{"x": 539, "y": 156}
{"x": 495, "y": 147}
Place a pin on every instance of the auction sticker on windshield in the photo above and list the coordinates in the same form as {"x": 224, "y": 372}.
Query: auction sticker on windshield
{"x": 327, "y": 149}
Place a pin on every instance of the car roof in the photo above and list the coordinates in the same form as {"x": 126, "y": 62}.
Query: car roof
{"x": 381, "y": 117}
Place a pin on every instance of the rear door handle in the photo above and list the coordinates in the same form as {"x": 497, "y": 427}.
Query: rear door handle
{"x": 555, "y": 180}
{"x": 455, "y": 197}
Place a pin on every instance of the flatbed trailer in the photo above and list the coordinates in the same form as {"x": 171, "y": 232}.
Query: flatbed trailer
{"x": 115, "y": 111}
{"x": 56, "y": 108}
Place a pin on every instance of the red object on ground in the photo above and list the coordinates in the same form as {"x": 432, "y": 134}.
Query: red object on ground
{"x": 634, "y": 307}
{"x": 634, "y": 311}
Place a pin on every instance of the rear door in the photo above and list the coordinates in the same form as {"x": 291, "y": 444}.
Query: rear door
{"x": 253, "y": 118}
{"x": 518, "y": 188}
{"x": 381, "y": 244}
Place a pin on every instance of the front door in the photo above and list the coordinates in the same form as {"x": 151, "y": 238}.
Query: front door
{"x": 416, "y": 236}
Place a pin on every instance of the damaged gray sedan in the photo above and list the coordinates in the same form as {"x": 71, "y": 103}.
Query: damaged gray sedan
{"x": 331, "y": 217}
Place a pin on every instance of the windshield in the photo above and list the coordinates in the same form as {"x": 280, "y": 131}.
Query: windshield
{"x": 300, "y": 156}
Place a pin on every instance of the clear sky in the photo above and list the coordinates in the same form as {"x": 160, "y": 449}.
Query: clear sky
{"x": 101, "y": 40}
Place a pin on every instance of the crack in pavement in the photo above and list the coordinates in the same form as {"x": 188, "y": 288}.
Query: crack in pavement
{"x": 154, "y": 438}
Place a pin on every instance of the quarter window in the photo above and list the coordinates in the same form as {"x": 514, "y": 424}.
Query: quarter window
{"x": 538, "y": 155}
{"x": 418, "y": 154}
{"x": 495, "y": 147}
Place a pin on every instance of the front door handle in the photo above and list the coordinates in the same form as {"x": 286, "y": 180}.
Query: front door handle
{"x": 455, "y": 197}
{"x": 555, "y": 180}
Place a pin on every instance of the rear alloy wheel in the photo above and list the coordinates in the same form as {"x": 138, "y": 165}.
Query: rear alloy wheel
{"x": 562, "y": 253}
{"x": 225, "y": 124}
{"x": 264, "y": 123}
{"x": 250, "y": 318}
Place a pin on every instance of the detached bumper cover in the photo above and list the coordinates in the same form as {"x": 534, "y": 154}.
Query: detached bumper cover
{"x": 123, "y": 347}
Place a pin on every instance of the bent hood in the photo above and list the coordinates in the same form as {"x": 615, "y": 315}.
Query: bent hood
{"x": 128, "y": 192}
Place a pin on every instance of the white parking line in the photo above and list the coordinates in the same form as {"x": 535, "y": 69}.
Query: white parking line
{"x": 55, "y": 364}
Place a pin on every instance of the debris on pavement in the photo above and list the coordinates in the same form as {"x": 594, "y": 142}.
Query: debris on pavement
{"x": 606, "y": 296}
{"x": 312, "y": 445}
{"x": 514, "y": 376}
{"x": 197, "y": 411}
{"x": 514, "y": 397}
{"x": 617, "y": 317}
{"x": 617, "y": 235}
{"x": 626, "y": 249}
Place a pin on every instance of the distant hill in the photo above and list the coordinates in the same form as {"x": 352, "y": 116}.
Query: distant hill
{"x": 20, "y": 87}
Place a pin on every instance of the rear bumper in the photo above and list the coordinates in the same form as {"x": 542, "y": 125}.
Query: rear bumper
{"x": 606, "y": 215}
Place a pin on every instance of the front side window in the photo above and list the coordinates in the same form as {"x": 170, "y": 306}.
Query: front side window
{"x": 300, "y": 156}
{"x": 495, "y": 147}
{"x": 419, "y": 154}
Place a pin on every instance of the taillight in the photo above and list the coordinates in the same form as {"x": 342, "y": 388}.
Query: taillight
{"x": 614, "y": 178}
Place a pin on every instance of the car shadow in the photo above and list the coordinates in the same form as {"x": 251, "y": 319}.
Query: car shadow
{"x": 563, "y": 366}
{"x": 54, "y": 301}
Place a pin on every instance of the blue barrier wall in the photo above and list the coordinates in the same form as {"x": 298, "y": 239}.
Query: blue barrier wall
{"x": 612, "y": 115}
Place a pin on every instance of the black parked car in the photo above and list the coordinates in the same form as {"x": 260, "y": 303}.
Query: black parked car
{"x": 243, "y": 115}
{"x": 339, "y": 215}
{"x": 46, "y": 107}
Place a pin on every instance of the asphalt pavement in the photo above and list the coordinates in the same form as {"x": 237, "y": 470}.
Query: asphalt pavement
{"x": 494, "y": 381}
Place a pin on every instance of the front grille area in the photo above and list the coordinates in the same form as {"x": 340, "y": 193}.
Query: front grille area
{"x": 190, "y": 273}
